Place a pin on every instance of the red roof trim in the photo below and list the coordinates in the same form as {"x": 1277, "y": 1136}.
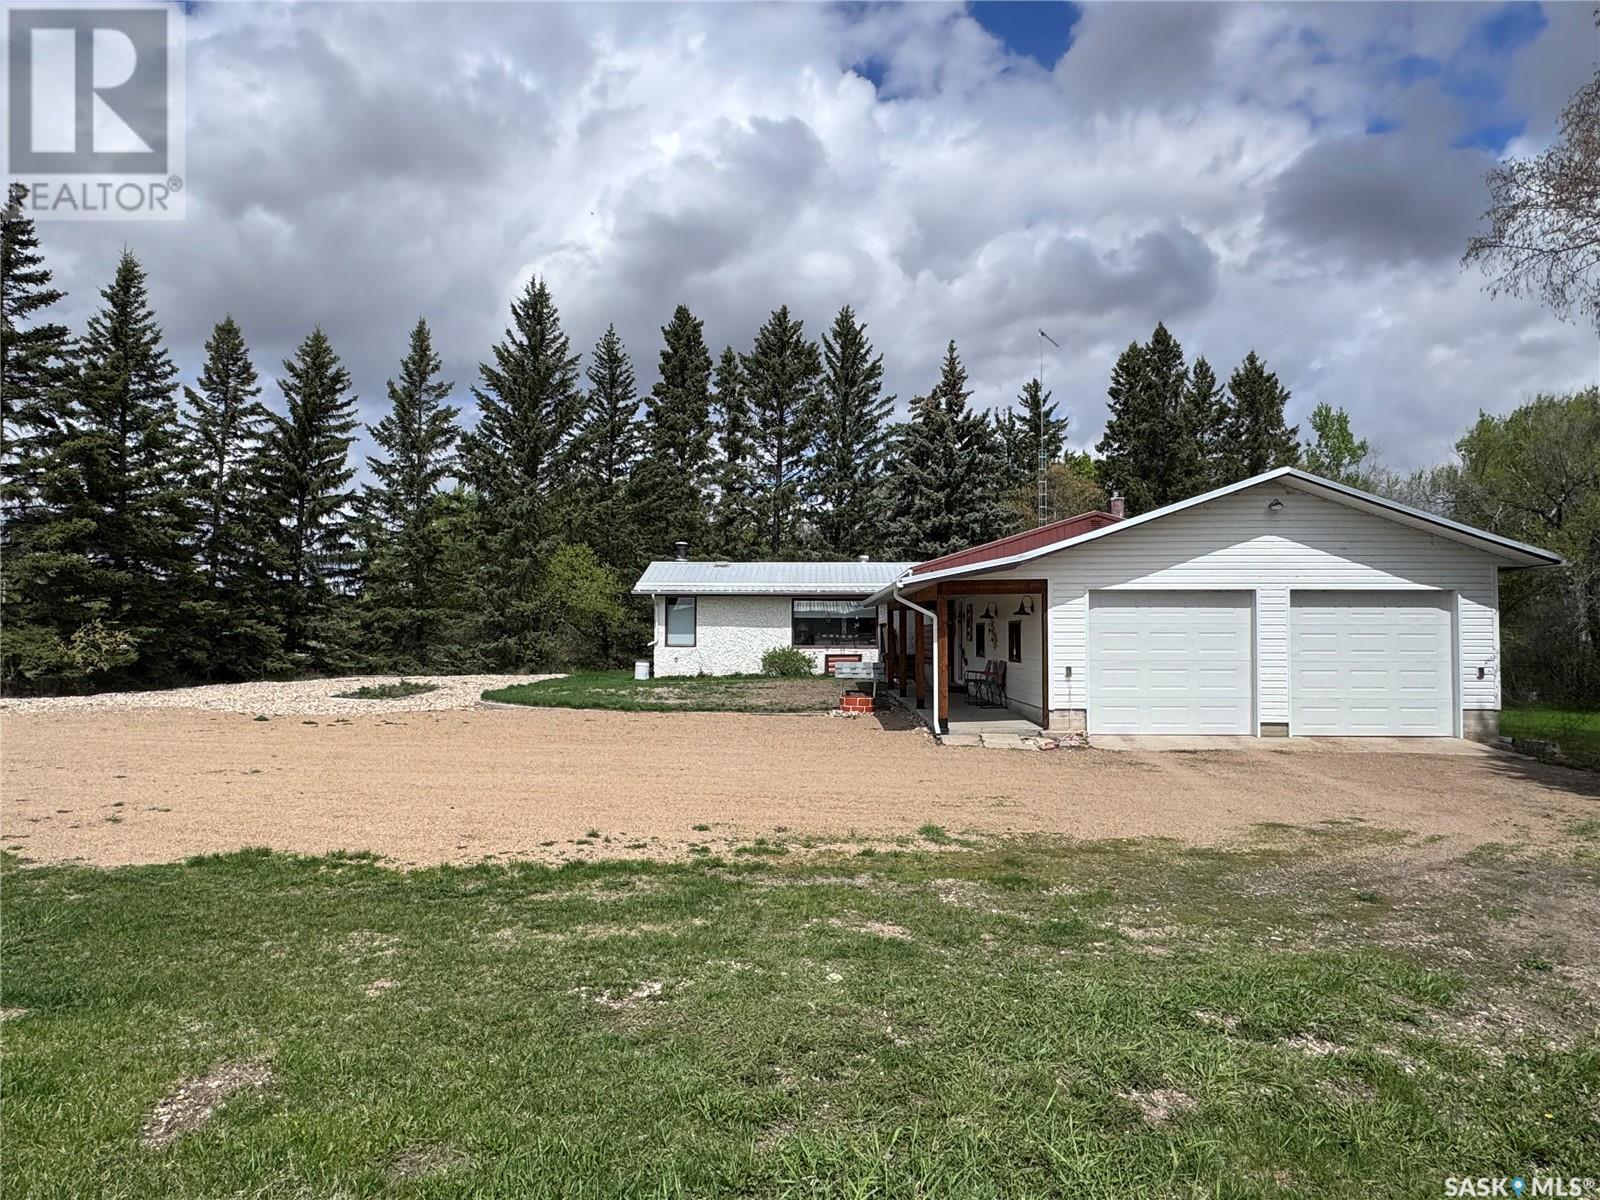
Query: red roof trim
{"x": 1019, "y": 543}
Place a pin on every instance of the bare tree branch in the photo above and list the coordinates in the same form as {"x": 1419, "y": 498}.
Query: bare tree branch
{"x": 1544, "y": 218}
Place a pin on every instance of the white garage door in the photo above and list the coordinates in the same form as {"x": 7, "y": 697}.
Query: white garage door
{"x": 1169, "y": 662}
{"x": 1370, "y": 663}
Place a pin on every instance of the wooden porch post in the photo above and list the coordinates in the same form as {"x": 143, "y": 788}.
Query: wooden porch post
{"x": 922, "y": 670}
{"x": 942, "y": 608}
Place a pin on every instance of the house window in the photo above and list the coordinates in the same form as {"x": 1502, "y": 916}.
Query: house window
{"x": 833, "y": 623}
{"x": 680, "y": 620}
{"x": 1014, "y": 642}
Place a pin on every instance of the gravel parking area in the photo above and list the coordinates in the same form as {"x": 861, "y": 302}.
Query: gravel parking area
{"x": 155, "y": 785}
{"x": 306, "y": 697}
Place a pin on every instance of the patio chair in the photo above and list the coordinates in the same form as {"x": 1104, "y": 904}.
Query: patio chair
{"x": 988, "y": 689}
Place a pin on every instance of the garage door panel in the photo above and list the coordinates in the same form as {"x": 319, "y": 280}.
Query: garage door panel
{"x": 1371, "y": 663}
{"x": 1170, "y": 662}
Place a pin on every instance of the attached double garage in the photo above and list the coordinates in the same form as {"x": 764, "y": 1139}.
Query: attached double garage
{"x": 1286, "y": 604}
{"x": 1184, "y": 662}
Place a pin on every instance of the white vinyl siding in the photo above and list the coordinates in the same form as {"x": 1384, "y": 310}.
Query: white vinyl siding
{"x": 1234, "y": 542}
{"x": 1371, "y": 663}
{"x": 1169, "y": 662}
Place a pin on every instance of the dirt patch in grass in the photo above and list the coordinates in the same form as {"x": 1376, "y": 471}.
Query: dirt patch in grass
{"x": 426, "y": 1158}
{"x": 1311, "y": 1045}
{"x": 644, "y": 992}
{"x": 196, "y": 1100}
{"x": 1160, "y": 1105}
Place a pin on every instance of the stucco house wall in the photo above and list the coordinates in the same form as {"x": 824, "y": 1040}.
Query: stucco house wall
{"x": 731, "y": 635}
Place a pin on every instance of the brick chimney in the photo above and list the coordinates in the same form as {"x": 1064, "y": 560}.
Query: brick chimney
{"x": 1117, "y": 508}
{"x": 680, "y": 551}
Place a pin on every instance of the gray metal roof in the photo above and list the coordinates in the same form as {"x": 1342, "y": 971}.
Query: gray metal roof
{"x": 767, "y": 578}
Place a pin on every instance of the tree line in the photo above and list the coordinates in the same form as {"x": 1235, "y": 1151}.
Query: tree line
{"x": 158, "y": 532}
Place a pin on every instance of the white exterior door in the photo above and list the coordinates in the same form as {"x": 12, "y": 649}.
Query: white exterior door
{"x": 1170, "y": 662}
{"x": 1375, "y": 663}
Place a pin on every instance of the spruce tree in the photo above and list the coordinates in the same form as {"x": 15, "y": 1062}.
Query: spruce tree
{"x": 670, "y": 493}
{"x": 1258, "y": 440}
{"x": 1023, "y": 432}
{"x": 1205, "y": 422}
{"x": 33, "y": 351}
{"x": 606, "y": 444}
{"x": 735, "y": 531}
{"x": 944, "y": 490}
{"x": 407, "y": 598}
{"x": 135, "y": 583}
{"x": 851, "y": 439}
{"x": 606, "y": 448}
{"x": 225, "y": 425}
{"x": 529, "y": 402}
{"x": 305, "y": 483}
{"x": 1148, "y": 451}
{"x": 38, "y": 563}
{"x": 781, "y": 374}
{"x": 605, "y": 451}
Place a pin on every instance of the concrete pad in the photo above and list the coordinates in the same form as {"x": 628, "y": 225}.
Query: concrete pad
{"x": 1294, "y": 745}
{"x": 1007, "y": 741}
{"x": 961, "y": 739}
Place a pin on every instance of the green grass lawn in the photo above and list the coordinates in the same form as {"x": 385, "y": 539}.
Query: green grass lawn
{"x": 620, "y": 691}
{"x": 1576, "y": 731}
{"x": 1022, "y": 1020}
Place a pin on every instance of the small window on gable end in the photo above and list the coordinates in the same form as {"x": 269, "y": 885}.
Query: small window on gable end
{"x": 680, "y": 620}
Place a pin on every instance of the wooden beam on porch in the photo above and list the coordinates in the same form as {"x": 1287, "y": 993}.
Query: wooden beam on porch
{"x": 991, "y": 587}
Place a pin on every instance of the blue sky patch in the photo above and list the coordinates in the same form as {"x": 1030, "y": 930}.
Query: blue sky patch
{"x": 1036, "y": 29}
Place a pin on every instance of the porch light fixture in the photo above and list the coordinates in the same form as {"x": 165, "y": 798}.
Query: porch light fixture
{"x": 990, "y": 613}
{"x": 1024, "y": 607}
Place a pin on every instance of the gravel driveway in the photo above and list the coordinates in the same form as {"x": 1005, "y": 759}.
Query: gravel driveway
{"x": 155, "y": 785}
{"x": 307, "y": 697}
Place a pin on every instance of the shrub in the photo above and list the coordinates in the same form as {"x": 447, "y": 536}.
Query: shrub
{"x": 387, "y": 691}
{"x": 786, "y": 662}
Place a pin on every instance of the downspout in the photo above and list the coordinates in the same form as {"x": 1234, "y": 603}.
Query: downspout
{"x": 934, "y": 689}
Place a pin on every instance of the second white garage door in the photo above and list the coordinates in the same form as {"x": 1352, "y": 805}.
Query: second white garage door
{"x": 1170, "y": 662}
{"x": 1371, "y": 663}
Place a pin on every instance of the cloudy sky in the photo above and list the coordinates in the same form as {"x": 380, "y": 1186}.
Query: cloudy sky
{"x": 1297, "y": 178}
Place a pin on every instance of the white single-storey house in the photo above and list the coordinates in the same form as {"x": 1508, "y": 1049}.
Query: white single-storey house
{"x": 1282, "y": 604}
{"x": 719, "y": 618}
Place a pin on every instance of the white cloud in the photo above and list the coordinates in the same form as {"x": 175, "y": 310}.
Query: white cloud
{"x": 358, "y": 164}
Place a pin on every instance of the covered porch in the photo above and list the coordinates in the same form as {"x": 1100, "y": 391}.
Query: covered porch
{"x": 972, "y": 655}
